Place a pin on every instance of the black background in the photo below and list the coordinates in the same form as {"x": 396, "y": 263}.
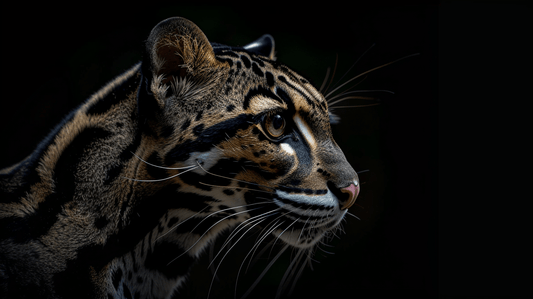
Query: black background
{"x": 445, "y": 207}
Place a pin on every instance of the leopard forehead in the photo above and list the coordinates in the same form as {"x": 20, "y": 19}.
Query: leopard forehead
{"x": 253, "y": 76}
{"x": 254, "y": 84}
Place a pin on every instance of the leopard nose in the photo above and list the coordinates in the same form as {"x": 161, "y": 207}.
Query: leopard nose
{"x": 352, "y": 190}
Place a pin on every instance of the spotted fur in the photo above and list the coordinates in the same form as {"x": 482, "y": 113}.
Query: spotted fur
{"x": 123, "y": 196}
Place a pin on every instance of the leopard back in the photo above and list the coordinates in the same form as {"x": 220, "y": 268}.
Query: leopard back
{"x": 199, "y": 138}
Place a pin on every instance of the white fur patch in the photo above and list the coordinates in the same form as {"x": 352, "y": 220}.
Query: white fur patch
{"x": 287, "y": 148}
{"x": 208, "y": 159}
{"x": 327, "y": 200}
{"x": 306, "y": 132}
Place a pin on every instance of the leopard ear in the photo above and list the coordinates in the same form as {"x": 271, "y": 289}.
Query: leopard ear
{"x": 263, "y": 46}
{"x": 178, "y": 56}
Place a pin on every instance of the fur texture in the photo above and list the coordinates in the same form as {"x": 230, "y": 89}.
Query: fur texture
{"x": 125, "y": 194}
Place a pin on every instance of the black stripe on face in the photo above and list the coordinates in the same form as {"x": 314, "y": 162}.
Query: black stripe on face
{"x": 302, "y": 191}
{"x": 286, "y": 98}
{"x": 208, "y": 138}
{"x": 258, "y": 91}
{"x": 308, "y": 100}
{"x": 156, "y": 172}
{"x": 229, "y": 168}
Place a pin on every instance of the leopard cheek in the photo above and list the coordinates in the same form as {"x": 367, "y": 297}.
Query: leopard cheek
{"x": 289, "y": 160}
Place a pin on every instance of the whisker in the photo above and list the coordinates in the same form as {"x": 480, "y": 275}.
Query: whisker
{"x": 303, "y": 228}
{"x": 254, "y": 248}
{"x": 351, "y": 98}
{"x": 244, "y": 188}
{"x": 340, "y": 228}
{"x": 237, "y": 180}
{"x": 286, "y": 229}
{"x": 353, "y": 215}
{"x": 334, "y": 71}
{"x": 325, "y": 80}
{"x": 265, "y": 232}
{"x": 176, "y": 226}
{"x": 291, "y": 272}
{"x": 221, "y": 176}
{"x": 326, "y": 244}
{"x": 302, "y": 267}
{"x": 237, "y": 230}
{"x": 160, "y": 180}
{"x": 258, "y": 242}
{"x": 355, "y": 106}
{"x": 328, "y": 252}
{"x": 230, "y": 208}
{"x": 288, "y": 273}
{"x": 344, "y": 96}
{"x": 258, "y": 219}
{"x": 351, "y": 67}
{"x": 163, "y": 167}
{"x": 279, "y": 236}
{"x": 369, "y": 71}
{"x": 333, "y": 232}
{"x": 358, "y": 91}
{"x": 227, "y": 252}
{"x": 347, "y": 89}
{"x": 265, "y": 271}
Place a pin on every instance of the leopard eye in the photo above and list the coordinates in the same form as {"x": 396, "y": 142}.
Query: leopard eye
{"x": 275, "y": 125}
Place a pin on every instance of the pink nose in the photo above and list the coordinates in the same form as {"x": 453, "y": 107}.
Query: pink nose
{"x": 353, "y": 191}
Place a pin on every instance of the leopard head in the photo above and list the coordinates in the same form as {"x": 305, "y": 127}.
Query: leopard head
{"x": 244, "y": 134}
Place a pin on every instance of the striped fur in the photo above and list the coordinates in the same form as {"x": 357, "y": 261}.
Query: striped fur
{"x": 125, "y": 194}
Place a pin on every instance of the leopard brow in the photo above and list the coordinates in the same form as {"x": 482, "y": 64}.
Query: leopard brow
{"x": 261, "y": 115}
{"x": 259, "y": 91}
{"x": 282, "y": 94}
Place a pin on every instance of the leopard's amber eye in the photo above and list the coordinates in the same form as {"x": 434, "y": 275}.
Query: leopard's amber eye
{"x": 275, "y": 125}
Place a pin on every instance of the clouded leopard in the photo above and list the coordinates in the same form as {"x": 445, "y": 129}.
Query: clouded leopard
{"x": 198, "y": 138}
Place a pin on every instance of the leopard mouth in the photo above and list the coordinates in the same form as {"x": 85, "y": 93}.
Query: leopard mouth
{"x": 307, "y": 218}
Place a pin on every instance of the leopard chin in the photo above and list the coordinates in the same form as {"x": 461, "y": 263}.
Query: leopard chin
{"x": 306, "y": 237}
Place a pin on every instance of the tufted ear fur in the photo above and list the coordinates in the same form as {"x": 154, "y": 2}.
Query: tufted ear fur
{"x": 180, "y": 59}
